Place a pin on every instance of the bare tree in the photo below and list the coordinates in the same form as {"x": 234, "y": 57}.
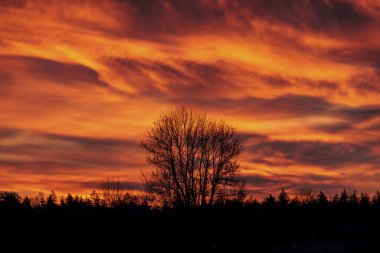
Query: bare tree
{"x": 306, "y": 196}
{"x": 39, "y": 200}
{"x": 113, "y": 192}
{"x": 195, "y": 159}
{"x": 95, "y": 199}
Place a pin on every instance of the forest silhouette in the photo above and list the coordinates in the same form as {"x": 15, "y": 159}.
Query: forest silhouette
{"x": 308, "y": 222}
{"x": 195, "y": 200}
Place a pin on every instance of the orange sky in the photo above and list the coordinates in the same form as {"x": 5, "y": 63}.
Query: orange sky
{"x": 82, "y": 81}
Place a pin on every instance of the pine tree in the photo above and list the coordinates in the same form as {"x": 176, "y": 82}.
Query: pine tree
{"x": 353, "y": 198}
{"x": 51, "y": 201}
{"x": 322, "y": 199}
{"x": 343, "y": 199}
{"x": 270, "y": 200}
{"x": 283, "y": 198}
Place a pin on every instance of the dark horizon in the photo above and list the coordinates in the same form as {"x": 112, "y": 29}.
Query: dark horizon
{"x": 349, "y": 223}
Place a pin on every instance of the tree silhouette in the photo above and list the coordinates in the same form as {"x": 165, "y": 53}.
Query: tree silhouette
{"x": 269, "y": 201}
{"x": 307, "y": 196}
{"x": 9, "y": 199}
{"x": 39, "y": 200}
{"x": 113, "y": 192}
{"x": 353, "y": 199}
{"x": 95, "y": 199}
{"x": 376, "y": 198}
{"x": 343, "y": 199}
{"x": 69, "y": 200}
{"x": 322, "y": 199}
{"x": 283, "y": 198}
{"x": 195, "y": 159}
{"x": 51, "y": 200}
{"x": 26, "y": 202}
{"x": 335, "y": 200}
{"x": 364, "y": 199}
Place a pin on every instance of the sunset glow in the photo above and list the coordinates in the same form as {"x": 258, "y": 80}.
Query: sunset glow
{"x": 82, "y": 81}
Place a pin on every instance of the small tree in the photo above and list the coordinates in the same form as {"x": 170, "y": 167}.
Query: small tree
{"x": 283, "y": 198}
{"x": 322, "y": 199}
{"x": 62, "y": 202}
{"x": 270, "y": 200}
{"x": 113, "y": 192}
{"x": 343, "y": 199}
{"x": 307, "y": 196}
{"x": 51, "y": 200}
{"x": 39, "y": 200}
{"x": 376, "y": 198}
{"x": 353, "y": 199}
{"x": 69, "y": 200}
{"x": 364, "y": 199}
{"x": 95, "y": 199}
{"x": 335, "y": 200}
{"x": 9, "y": 199}
{"x": 26, "y": 202}
{"x": 195, "y": 159}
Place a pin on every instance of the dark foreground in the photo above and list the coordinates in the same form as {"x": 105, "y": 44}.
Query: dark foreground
{"x": 229, "y": 228}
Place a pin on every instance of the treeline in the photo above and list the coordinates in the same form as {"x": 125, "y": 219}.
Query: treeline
{"x": 114, "y": 199}
{"x": 115, "y": 221}
{"x": 11, "y": 199}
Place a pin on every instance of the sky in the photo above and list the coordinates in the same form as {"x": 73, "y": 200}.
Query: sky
{"x": 82, "y": 81}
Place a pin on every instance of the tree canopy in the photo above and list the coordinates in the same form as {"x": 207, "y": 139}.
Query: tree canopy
{"x": 195, "y": 159}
